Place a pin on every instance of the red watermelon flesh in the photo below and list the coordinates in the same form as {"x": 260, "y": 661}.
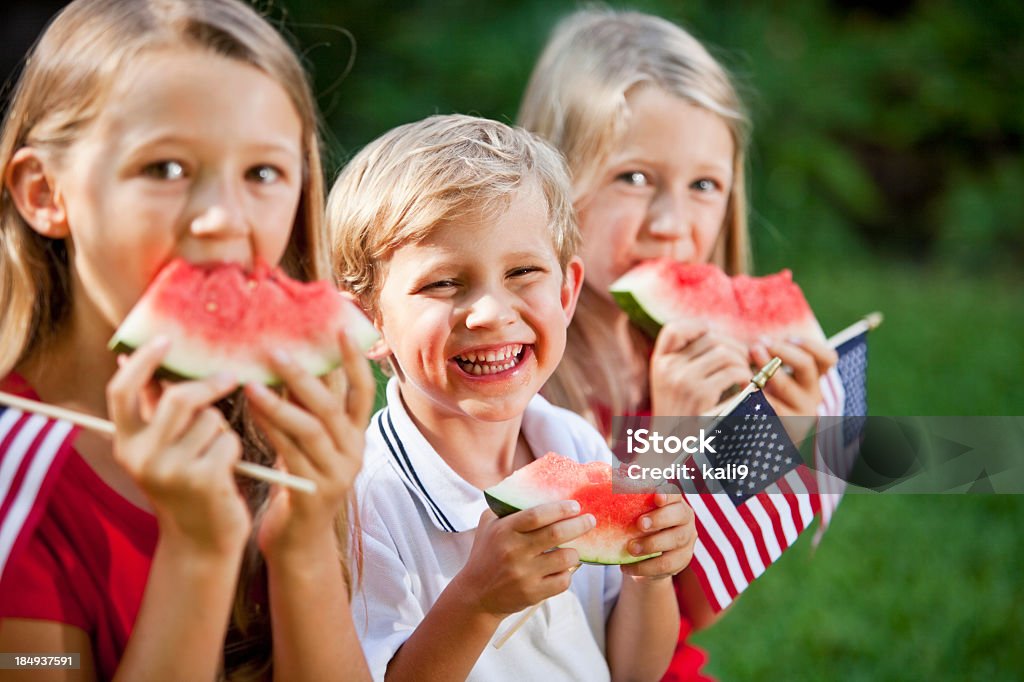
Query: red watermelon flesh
{"x": 554, "y": 477}
{"x": 745, "y": 307}
{"x": 221, "y": 317}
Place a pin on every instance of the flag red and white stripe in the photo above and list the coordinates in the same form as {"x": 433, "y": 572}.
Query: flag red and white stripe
{"x": 737, "y": 543}
{"x": 32, "y": 449}
{"x": 742, "y": 531}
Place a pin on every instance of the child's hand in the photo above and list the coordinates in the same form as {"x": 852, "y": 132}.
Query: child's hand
{"x": 672, "y": 531}
{"x": 317, "y": 435}
{"x": 799, "y": 393}
{"x": 180, "y": 451}
{"x": 510, "y": 566}
{"x": 692, "y": 366}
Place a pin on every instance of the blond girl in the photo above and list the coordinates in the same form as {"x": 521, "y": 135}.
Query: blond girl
{"x": 143, "y": 131}
{"x": 654, "y": 135}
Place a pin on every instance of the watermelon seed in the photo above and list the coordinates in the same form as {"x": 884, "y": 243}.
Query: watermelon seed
{"x": 211, "y": 307}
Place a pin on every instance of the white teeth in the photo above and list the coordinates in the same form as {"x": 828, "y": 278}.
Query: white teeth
{"x": 501, "y": 355}
{"x": 492, "y": 361}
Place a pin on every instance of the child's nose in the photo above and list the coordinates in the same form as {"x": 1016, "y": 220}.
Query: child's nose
{"x": 218, "y": 221}
{"x": 490, "y": 310}
{"x": 221, "y": 212}
{"x": 667, "y": 216}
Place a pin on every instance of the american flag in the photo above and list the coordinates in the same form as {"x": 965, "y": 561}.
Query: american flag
{"x": 32, "y": 449}
{"x": 744, "y": 524}
{"x": 842, "y": 415}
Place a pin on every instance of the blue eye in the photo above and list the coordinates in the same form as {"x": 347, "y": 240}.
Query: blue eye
{"x": 705, "y": 185}
{"x": 264, "y": 174}
{"x": 165, "y": 170}
{"x": 634, "y": 178}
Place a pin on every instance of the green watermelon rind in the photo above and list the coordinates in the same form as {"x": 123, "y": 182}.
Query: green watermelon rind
{"x": 637, "y": 313}
{"x": 504, "y": 507}
{"x": 179, "y": 372}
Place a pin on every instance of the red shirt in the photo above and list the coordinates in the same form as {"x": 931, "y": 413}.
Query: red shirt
{"x": 87, "y": 561}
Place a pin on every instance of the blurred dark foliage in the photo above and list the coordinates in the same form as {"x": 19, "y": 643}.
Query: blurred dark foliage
{"x": 880, "y": 128}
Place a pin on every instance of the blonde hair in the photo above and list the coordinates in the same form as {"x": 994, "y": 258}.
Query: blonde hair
{"x": 401, "y": 186}
{"x": 576, "y": 99}
{"x": 67, "y": 77}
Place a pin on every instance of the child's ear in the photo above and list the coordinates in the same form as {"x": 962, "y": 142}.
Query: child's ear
{"x": 35, "y": 194}
{"x": 572, "y": 281}
{"x": 380, "y": 350}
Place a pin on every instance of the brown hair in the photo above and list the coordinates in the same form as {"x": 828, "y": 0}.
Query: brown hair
{"x": 67, "y": 76}
{"x": 576, "y": 98}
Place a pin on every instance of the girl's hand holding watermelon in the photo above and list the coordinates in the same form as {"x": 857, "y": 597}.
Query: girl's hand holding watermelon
{"x": 692, "y": 365}
{"x": 318, "y": 435}
{"x": 512, "y": 564}
{"x": 796, "y": 392}
{"x": 181, "y": 452}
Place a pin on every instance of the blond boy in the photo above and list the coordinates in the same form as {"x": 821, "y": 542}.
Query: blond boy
{"x": 457, "y": 236}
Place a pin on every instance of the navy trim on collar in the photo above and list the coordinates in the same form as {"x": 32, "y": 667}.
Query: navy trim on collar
{"x": 408, "y": 471}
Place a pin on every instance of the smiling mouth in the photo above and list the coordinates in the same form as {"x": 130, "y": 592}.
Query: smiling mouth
{"x": 494, "y": 361}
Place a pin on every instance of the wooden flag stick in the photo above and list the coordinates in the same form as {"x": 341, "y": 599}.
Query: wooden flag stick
{"x": 865, "y": 324}
{"x": 260, "y": 473}
{"x": 86, "y": 421}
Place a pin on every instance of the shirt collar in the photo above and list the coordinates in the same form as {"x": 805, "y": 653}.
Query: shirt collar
{"x": 453, "y": 504}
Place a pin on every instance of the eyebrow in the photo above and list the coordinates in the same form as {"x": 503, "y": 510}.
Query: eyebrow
{"x": 532, "y": 253}
{"x": 442, "y": 258}
{"x": 171, "y": 138}
{"x": 715, "y": 168}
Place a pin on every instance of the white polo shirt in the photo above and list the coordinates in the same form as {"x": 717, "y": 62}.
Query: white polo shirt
{"x": 418, "y": 520}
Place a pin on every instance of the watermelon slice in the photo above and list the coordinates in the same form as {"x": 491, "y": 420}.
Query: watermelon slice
{"x": 746, "y": 307}
{"x": 222, "y": 317}
{"x": 554, "y": 477}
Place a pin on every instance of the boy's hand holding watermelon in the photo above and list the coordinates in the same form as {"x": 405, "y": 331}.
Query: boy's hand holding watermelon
{"x": 515, "y": 561}
{"x": 670, "y": 530}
